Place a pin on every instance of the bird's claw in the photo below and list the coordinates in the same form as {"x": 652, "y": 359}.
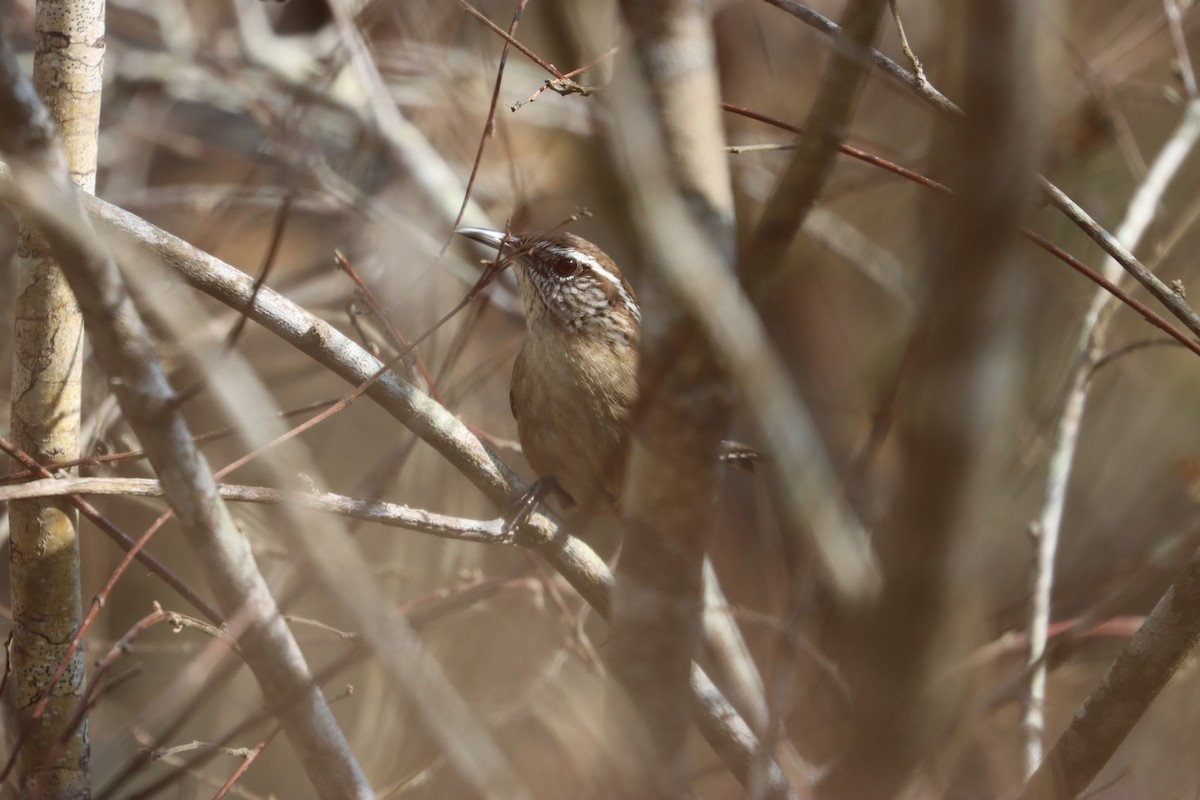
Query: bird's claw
{"x": 527, "y": 504}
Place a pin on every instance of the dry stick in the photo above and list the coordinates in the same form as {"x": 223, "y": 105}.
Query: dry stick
{"x": 1179, "y": 41}
{"x": 917, "y": 69}
{"x": 914, "y": 82}
{"x": 247, "y": 760}
{"x": 1147, "y": 313}
{"x": 508, "y": 38}
{"x": 122, "y": 346}
{"x": 365, "y": 510}
{"x": 489, "y": 124}
{"x": 562, "y": 83}
{"x": 390, "y": 514}
{"x": 268, "y": 262}
{"x": 1170, "y": 298}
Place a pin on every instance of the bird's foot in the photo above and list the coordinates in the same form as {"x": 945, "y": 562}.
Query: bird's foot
{"x": 524, "y": 507}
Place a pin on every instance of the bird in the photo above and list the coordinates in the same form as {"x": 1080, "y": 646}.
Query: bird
{"x": 575, "y": 380}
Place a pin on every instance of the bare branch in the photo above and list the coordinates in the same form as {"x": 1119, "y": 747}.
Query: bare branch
{"x": 378, "y": 511}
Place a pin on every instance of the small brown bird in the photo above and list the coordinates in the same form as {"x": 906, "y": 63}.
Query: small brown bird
{"x": 574, "y": 383}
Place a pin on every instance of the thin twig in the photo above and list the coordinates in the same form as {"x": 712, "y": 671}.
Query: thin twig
{"x": 490, "y": 123}
{"x": 268, "y": 263}
{"x": 391, "y": 514}
{"x": 507, "y": 37}
{"x": 917, "y": 69}
{"x": 1179, "y": 40}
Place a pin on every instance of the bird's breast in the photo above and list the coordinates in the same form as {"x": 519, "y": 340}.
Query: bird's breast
{"x": 573, "y": 396}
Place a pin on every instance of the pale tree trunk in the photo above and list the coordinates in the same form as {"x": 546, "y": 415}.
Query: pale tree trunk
{"x": 48, "y": 347}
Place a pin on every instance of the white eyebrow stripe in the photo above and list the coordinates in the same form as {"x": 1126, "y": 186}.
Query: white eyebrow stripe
{"x": 579, "y": 255}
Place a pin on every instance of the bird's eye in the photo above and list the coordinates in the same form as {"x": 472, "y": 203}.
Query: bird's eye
{"x": 566, "y": 267}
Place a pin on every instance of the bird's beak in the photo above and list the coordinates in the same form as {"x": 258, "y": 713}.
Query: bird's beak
{"x": 484, "y": 236}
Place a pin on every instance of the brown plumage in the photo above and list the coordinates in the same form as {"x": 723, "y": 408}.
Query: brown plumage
{"x": 574, "y": 382}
